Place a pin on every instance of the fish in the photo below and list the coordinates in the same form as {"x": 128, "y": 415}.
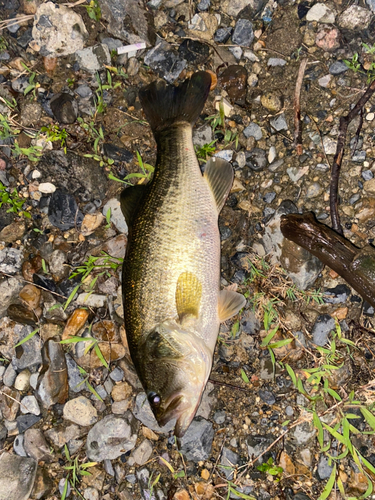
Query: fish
{"x": 172, "y": 301}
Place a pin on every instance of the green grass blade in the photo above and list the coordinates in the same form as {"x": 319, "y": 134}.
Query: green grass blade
{"x": 28, "y": 337}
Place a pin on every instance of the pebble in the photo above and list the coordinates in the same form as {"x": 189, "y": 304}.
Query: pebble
{"x": 75, "y": 377}
{"x": 337, "y": 295}
{"x": 63, "y": 211}
{"x": 256, "y": 159}
{"x": 62, "y": 487}
{"x": 10, "y": 260}
{"x": 219, "y": 417}
{"x": 142, "y": 412}
{"x": 18, "y": 447}
{"x": 17, "y": 476}
{"x": 117, "y": 374}
{"x": 329, "y": 145}
{"x": 141, "y": 454}
{"x": 36, "y": 445}
{"x": 314, "y": 190}
{"x": 222, "y": 35}
{"x": 64, "y": 107}
{"x": 243, "y": 33}
{"x": 196, "y": 444}
{"x": 229, "y": 460}
{"x": 370, "y": 117}
{"x": 279, "y": 123}
{"x": 91, "y": 494}
{"x": 328, "y": 38}
{"x": 368, "y": 309}
{"x": 29, "y": 356}
{"x": 271, "y": 101}
{"x": 355, "y": 18}
{"x": 46, "y": 187}
{"x": 80, "y": 411}
{"x": 267, "y": 396}
{"x": 323, "y": 325}
{"x": 111, "y": 437}
{"x": 321, "y": 13}
{"x": 276, "y": 61}
{"x": 367, "y": 175}
{"x": 253, "y": 130}
{"x": 338, "y": 67}
{"x": 165, "y": 62}
{"x": 324, "y": 81}
{"x": 75, "y": 323}
{"x": 29, "y": 404}
{"x": 24, "y": 422}
{"x": 53, "y": 387}
{"x": 296, "y": 173}
{"x": 9, "y": 376}
{"x": 324, "y": 468}
{"x": 93, "y": 58}
{"x": 93, "y": 300}
{"x": 117, "y": 217}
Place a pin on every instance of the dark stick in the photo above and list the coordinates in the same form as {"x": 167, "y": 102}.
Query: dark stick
{"x": 297, "y": 108}
{"x": 355, "y": 265}
{"x": 337, "y": 161}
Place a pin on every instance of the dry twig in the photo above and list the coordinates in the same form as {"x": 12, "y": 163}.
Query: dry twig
{"x": 297, "y": 108}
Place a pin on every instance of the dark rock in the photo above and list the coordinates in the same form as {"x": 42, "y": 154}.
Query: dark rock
{"x": 129, "y": 21}
{"x": 243, "y": 33}
{"x": 196, "y": 444}
{"x": 258, "y": 444}
{"x": 116, "y": 153}
{"x": 337, "y": 68}
{"x": 367, "y": 175}
{"x": 75, "y": 174}
{"x": 267, "y": 397}
{"x": 64, "y": 108}
{"x": 303, "y": 9}
{"x": 337, "y": 295}
{"x": 53, "y": 384}
{"x": 222, "y": 35}
{"x": 234, "y": 81}
{"x": 24, "y": 422}
{"x": 249, "y": 323}
{"x": 269, "y": 197}
{"x": 22, "y": 314}
{"x": 46, "y": 283}
{"x": 63, "y": 211}
{"x": 25, "y": 38}
{"x": 229, "y": 460}
{"x": 194, "y": 51}
{"x": 17, "y": 475}
{"x": 256, "y": 159}
{"x": 163, "y": 60}
{"x": 28, "y": 354}
{"x": 368, "y": 309}
{"x": 142, "y": 412}
{"x": 324, "y": 324}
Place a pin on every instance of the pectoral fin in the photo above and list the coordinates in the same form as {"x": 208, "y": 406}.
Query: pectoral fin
{"x": 130, "y": 200}
{"x": 188, "y": 295}
{"x": 219, "y": 175}
{"x": 229, "y": 304}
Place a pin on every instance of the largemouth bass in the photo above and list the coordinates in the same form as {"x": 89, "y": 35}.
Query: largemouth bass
{"x": 173, "y": 305}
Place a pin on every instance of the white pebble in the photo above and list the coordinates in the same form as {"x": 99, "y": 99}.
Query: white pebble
{"x": 47, "y": 187}
{"x": 35, "y": 174}
{"x": 370, "y": 117}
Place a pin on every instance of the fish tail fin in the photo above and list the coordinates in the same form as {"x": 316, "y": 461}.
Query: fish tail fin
{"x": 164, "y": 105}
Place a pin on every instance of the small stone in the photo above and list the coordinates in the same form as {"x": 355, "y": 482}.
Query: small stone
{"x": 324, "y": 324}
{"x": 243, "y": 33}
{"x": 233, "y": 80}
{"x": 91, "y": 494}
{"x": 321, "y": 13}
{"x": 324, "y": 468}
{"x": 121, "y": 391}
{"x": 337, "y": 295}
{"x": 258, "y": 444}
{"x": 329, "y": 145}
{"x": 112, "y": 437}
{"x": 368, "y": 309}
{"x": 80, "y": 411}
{"x": 64, "y": 107}
{"x": 369, "y": 186}
{"x": 271, "y": 101}
{"x": 296, "y": 173}
{"x": 194, "y": 51}
{"x": 355, "y": 18}
{"x": 29, "y": 404}
{"x": 324, "y": 81}
{"x": 370, "y": 117}
{"x": 196, "y": 444}
{"x": 253, "y": 130}
{"x": 63, "y": 211}
{"x": 9, "y": 403}
{"x": 220, "y": 417}
{"x": 93, "y": 300}
{"x": 269, "y": 197}
{"x": 165, "y": 62}
{"x": 10, "y": 260}
{"x": 142, "y": 411}
{"x": 279, "y": 123}
{"x": 9, "y": 376}
{"x": 46, "y": 188}
{"x": 328, "y": 39}
{"x": 117, "y": 374}
{"x": 314, "y": 190}
{"x": 93, "y": 58}
{"x": 256, "y": 159}
{"x": 367, "y": 175}
{"x": 53, "y": 387}
{"x": 142, "y": 454}
{"x": 36, "y": 445}
{"x": 222, "y": 35}
{"x": 75, "y": 323}
{"x": 267, "y": 396}
{"x": 18, "y": 446}
{"x": 22, "y": 381}
{"x": 229, "y": 460}
{"x": 62, "y": 487}
{"x": 117, "y": 217}
{"x": 17, "y": 476}
{"x": 75, "y": 377}
{"x": 276, "y": 61}
{"x": 337, "y": 68}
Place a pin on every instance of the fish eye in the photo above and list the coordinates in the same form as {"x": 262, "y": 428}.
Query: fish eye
{"x": 154, "y": 398}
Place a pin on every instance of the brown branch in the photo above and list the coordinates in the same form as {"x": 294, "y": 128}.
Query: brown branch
{"x": 297, "y": 108}
{"x": 337, "y": 161}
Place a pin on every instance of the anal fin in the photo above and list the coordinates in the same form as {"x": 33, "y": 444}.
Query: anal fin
{"x": 188, "y": 295}
{"x": 229, "y": 304}
{"x": 219, "y": 175}
{"x": 130, "y": 200}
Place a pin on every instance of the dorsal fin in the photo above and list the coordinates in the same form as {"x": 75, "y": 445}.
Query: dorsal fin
{"x": 130, "y": 200}
{"x": 188, "y": 295}
{"x": 219, "y": 175}
{"x": 229, "y": 304}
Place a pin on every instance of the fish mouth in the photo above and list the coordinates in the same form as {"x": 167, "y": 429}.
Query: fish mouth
{"x": 181, "y": 409}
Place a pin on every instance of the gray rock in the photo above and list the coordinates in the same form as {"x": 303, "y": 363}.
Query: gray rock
{"x": 289, "y": 412}
{"x": 139, "y": 25}
{"x": 219, "y": 417}
{"x": 58, "y": 30}
{"x": 20, "y": 84}
{"x": 276, "y": 61}
{"x": 329, "y": 145}
{"x": 324, "y": 468}
{"x": 323, "y": 325}
{"x": 253, "y": 130}
{"x": 267, "y": 396}
{"x": 62, "y": 487}
{"x": 202, "y": 135}
{"x": 111, "y": 437}
{"x": 112, "y": 44}
{"x": 321, "y": 13}
{"x": 302, "y": 267}
{"x": 337, "y": 295}
{"x": 84, "y": 90}
{"x": 337, "y": 68}
{"x": 196, "y": 444}
{"x": 359, "y": 156}
{"x": 117, "y": 374}
{"x": 314, "y": 190}
{"x": 94, "y": 58}
{"x": 296, "y": 173}
{"x": 269, "y": 197}
{"x": 142, "y": 453}
{"x": 279, "y": 123}
{"x": 18, "y": 447}
{"x": 353, "y": 199}
{"x": 53, "y": 385}
{"x": 91, "y": 494}
{"x": 371, "y": 4}
{"x": 222, "y": 35}
{"x": 75, "y": 378}
{"x": 9, "y": 376}
{"x": 256, "y": 159}
{"x": 258, "y": 444}
{"x": 367, "y": 175}
{"x": 249, "y": 323}
{"x": 228, "y": 460}
{"x": 203, "y": 5}
{"x": 80, "y": 411}
{"x": 10, "y": 260}
{"x": 142, "y": 412}
{"x": 226, "y": 154}
{"x": 108, "y": 467}
{"x": 29, "y": 404}
{"x": 207, "y": 401}
{"x": 17, "y": 476}
{"x": 117, "y": 217}
{"x": 9, "y": 290}
{"x": 243, "y": 33}
{"x": 36, "y": 445}
{"x": 28, "y": 355}
{"x": 163, "y": 60}
{"x": 24, "y": 422}
{"x": 355, "y": 18}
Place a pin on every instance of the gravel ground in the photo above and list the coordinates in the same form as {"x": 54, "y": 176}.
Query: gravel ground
{"x": 287, "y": 413}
